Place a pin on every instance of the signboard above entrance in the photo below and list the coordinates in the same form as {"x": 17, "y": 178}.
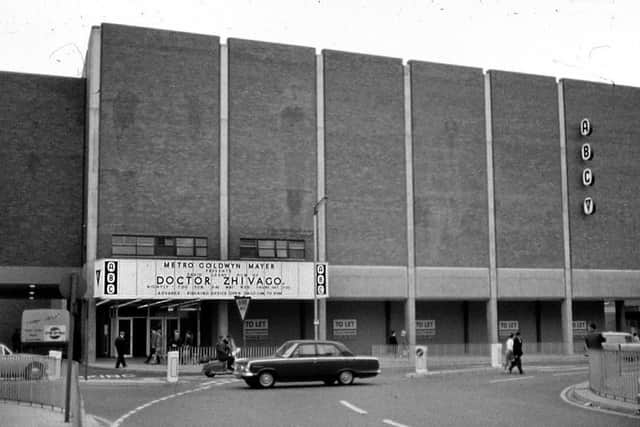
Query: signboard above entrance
{"x": 203, "y": 279}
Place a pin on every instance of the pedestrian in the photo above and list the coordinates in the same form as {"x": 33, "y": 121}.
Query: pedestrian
{"x": 393, "y": 342}
{"x": 403, "y": 343}
{"x": 187, "y": 347}
{"x": 176, "y": 342}
{"x": 517, "y": 353}
{"x": 154, "y": 346}
{"x": 230, "y": 357}
{"x": 221, "y": 351}
{"x": 508, "y": 352}
{"x": 593, "y": 340}
{"x": 635, "y": 338}
{"x": 121, "y": 349}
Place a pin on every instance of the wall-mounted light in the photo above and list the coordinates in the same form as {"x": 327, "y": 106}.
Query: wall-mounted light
{"x": 32, "y": 286}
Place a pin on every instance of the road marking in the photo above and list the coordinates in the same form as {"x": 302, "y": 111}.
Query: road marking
{"x": 119, "y": 421}
{"x": 510, "y": 379}
{"x": 394, "y": 424}
{"x": 101, "y": 420}
{"x": 353, "y": 407}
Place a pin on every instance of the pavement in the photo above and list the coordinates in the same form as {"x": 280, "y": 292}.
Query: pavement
{"x": 26, "y": 415}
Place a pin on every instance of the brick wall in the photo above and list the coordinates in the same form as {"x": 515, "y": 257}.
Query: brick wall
{"x": 272, "y": 143}
{"x": 41, "y": 158}
{"x": 159, "y": 135}
{"x": 365, "y": 159}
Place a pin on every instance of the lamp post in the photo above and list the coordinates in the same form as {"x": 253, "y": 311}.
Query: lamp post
{"x": 316, "y": 321}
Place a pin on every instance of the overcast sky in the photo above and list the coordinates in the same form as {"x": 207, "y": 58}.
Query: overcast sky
{"x": 596, "y": 40}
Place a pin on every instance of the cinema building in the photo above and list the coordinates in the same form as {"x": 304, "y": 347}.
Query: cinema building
{"x": 182, "y": 171}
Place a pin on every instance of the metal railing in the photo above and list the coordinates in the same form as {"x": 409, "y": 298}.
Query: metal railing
{"x": 615, "y": 374}
{"x": 19, "y": 384}
{"x": 199, "y": 354}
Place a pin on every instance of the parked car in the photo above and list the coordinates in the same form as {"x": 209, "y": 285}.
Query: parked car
{"x": 613, "y": 340}
{"x": 307, "y": 360}
{"x": 21, "y": 365}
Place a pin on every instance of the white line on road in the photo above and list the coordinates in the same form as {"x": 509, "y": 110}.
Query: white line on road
{"x": 119, "y": 421}
{"x": 510, "y": 379}
{"x": 394, "y": 424}
{"x": 353, "y": 407}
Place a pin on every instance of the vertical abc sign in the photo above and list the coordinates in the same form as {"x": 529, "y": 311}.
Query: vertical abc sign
{"x": 321, "y": 280}
{"x": 110, "y": 277}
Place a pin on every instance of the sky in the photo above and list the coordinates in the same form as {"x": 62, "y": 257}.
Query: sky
{"x": 595, "y": 40}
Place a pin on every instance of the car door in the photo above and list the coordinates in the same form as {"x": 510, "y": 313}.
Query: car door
{"x": 301, "y": 366}
{"x": 329, "y": 361}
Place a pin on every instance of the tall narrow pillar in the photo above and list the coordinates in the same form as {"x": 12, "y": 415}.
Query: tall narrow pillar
{"x": 321, "y": 192}
{"x": 410, "y": 303}
{"x": 92, "y": 74}
{"x": 223, "y": 319}
{"x": 492, "y": 304}
{"x": 567, "y": 302}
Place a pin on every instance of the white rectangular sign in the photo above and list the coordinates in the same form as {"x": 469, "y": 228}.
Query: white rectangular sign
{"x": 579, "y": 328}
{"x": 425, "y": 328}
{"x": 44, "y": 325}
{"x": 506, "y": 327}
{"x": 204, "y": 279}
{"x": 256, "y": 328}
{"x": 345, "y": 327}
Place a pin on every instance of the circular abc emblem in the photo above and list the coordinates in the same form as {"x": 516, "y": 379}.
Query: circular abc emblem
{"x": 585, "y": 127}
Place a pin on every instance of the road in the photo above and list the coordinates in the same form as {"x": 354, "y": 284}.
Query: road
{"x": 478, "y": 398}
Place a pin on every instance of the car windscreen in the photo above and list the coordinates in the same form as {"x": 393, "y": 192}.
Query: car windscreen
{"x": 285, "y": 349}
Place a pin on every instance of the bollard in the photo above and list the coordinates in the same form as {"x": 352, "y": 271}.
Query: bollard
{"x": 421, "y": 359}
{"x": 496, "y": 355}
{"x": 56, "y": 357}
{"x": 172, "y": 366}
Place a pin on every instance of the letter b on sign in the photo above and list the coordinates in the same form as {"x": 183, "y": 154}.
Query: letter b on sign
{"x": 110, "y": 277}
{"x": 321, "y": 289}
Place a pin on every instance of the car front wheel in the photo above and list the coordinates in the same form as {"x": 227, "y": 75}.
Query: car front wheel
{"x": 345, "y": 377}
{"x": 266, "y": 379}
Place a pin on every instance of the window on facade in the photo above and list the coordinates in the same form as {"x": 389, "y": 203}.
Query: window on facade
{"x": 268, "y": 248}
{"x": 160, "y": 246}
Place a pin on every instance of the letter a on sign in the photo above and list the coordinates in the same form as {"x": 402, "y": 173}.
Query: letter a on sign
{"x": 243, "y": 305}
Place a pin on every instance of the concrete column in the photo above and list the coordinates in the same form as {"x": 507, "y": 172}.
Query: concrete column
{"x": 567, "y": 303}
{"x": 321, "y": 191}
{"x": 621, "y": 318}
{"x": 89, "y": 327}
{"x": 410, "y": 304}
{"x": 92, "y": 71}
{"x": 223, "y": 319}
{"x": 492, "y": 304}
{"x": 224, "y": 152}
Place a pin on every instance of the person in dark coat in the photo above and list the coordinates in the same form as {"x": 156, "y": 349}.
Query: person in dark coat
{"x": 393, "y": 342}
{"x": 517, "y": 354}
{"x": 594, "y": 339}
{"x": 121, "y": 349}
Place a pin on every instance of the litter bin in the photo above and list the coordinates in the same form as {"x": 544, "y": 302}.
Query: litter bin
{"x": 55, "y": 363}
{"x": 172, "y": 366}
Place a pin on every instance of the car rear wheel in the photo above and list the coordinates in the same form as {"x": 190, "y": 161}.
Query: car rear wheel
{"x": 34, "y": 371}
{"x": 266, "y": 379}
{"x": 345, "y": 377}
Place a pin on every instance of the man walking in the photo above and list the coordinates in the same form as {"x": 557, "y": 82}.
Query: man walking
{"x": 593, "y": 340}
{"x": 517, "y": 353}
{"x": 121, "y": 349}
{"x": 154, "y": 346}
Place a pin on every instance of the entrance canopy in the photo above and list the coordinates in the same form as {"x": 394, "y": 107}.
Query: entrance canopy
{"x": 159, "y": 279}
